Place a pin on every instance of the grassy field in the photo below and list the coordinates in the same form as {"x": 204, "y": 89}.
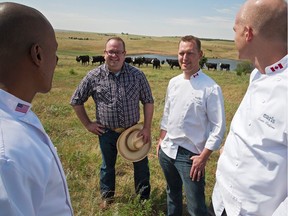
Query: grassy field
{"x": 79, "y": 150}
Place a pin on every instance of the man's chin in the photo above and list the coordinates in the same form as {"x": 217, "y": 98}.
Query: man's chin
{"x": 183, "y": 68}
{"x": 114, "y": 68}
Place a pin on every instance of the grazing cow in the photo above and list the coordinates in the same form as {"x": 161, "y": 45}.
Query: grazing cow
{"x": 156, "y": 63}
{"x": 99, "y": 59}
{"x": 224, "y": 66}
{"x": 138, "y": 60}
{"x": 148, "y": 61}
{"x": 211, "y": 66}
{"x": 85, "y": 59}
{"x": 173, "y": 62}
{"x": 128, "y": 60}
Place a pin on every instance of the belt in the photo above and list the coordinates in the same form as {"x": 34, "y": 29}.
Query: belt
{"x": 118, "y": 130}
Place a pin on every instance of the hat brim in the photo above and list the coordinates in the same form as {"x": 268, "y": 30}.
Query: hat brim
{"x": 123, "y": 149}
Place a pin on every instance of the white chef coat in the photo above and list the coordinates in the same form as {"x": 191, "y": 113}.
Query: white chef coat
{"x": 32, "y": 181}
{"x": 193, "y": 115}
{"x": 252, "y": 170}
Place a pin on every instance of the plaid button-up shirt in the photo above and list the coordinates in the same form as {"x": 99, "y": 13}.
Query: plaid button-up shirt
{"x": 116, "y": 96}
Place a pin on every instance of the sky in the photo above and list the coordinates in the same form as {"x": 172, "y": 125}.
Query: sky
{"x": 202, "y": 18}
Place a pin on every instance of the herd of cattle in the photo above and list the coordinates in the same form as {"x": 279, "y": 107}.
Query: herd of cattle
{"x": 155, "y": 62}
{"x": 214, "y": 66}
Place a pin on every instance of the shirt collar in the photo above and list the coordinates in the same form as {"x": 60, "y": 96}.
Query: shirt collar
{"x": 107, "y": 72}
{"x": 14, "y": 104}
{"x": 196, "y": 75}
{"x": 278, "y": 66}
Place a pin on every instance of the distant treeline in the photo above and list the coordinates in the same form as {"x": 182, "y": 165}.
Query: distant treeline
{"x": 77, "y": 38}
{"x": 86, "y": 38}
{"x": 211, "y": 39}
{"x": 204, "y": 39}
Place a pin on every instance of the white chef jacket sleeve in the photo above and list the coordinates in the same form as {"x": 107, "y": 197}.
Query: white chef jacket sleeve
{"x": 164, "y": 119}
{"x": 216, "y": 118}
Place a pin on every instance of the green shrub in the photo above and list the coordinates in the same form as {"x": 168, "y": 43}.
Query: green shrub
{"x": 72, "y": 72}
{"x": 203, "y": 61}
{"x": 244, "y": 67}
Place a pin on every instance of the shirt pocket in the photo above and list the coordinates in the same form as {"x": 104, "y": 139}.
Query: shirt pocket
{"x": 103, "y": 94}
{"x": 131, "y": 91}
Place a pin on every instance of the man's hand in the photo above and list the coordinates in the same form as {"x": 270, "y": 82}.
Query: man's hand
{"x": 161, "y": 137}
{"x": 95, "y": 128}
{"x": 146, "y": 134}
{"x": 158, "y": 146}
{"x": 198, "y": 166}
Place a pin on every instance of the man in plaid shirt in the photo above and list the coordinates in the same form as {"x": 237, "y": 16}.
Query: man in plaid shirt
{"x": 116, "y": 88}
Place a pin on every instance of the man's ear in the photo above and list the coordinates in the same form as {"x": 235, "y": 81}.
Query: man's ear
{"x": 201, "y": 53}
{"x": 248, "y": 33}
{"x": 36, "y": 54}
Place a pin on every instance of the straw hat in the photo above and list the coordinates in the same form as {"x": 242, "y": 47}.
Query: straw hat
{"x": 130, "y": 146}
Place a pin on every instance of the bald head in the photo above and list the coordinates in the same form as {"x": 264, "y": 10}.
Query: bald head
{"x": 267, "y": 18}
{"x": 28, "y": 51}
{"x": 20, "y": 27}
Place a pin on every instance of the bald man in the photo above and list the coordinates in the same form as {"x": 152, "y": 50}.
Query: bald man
{"x": 251, "y": 176}
{"x": 32, "y": 181}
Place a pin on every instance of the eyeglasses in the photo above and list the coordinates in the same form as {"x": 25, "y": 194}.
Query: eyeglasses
{"x": 112, "y": 53}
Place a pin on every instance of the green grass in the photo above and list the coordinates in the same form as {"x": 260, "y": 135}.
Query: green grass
{"x": 79, "y": 150}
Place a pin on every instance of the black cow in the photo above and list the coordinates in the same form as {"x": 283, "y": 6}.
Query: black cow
{"x": 156, "y": 63}
{"x": 138, "y": 60}
{"x": 173, "y": 62}
{"x": 85, "y": 59}
{"x": 211, "y": 66}
{"x": 148, "y": 61}
{"x": 128, "y": 60}
{"x": 99, "y": 59}
{"x": 224, "y": 66}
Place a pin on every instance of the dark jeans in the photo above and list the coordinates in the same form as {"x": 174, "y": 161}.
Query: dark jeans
{"x": 108, "y": 148}
{"x": 177, "y": 173}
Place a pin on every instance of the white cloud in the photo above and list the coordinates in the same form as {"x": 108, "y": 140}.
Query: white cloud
{"x": 218, "y": 19}
{"x": 225, "y": 11}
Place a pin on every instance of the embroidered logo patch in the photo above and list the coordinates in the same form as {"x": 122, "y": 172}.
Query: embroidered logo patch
{"x": 21, "y": 108}
{"x": 268, "y": 120}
